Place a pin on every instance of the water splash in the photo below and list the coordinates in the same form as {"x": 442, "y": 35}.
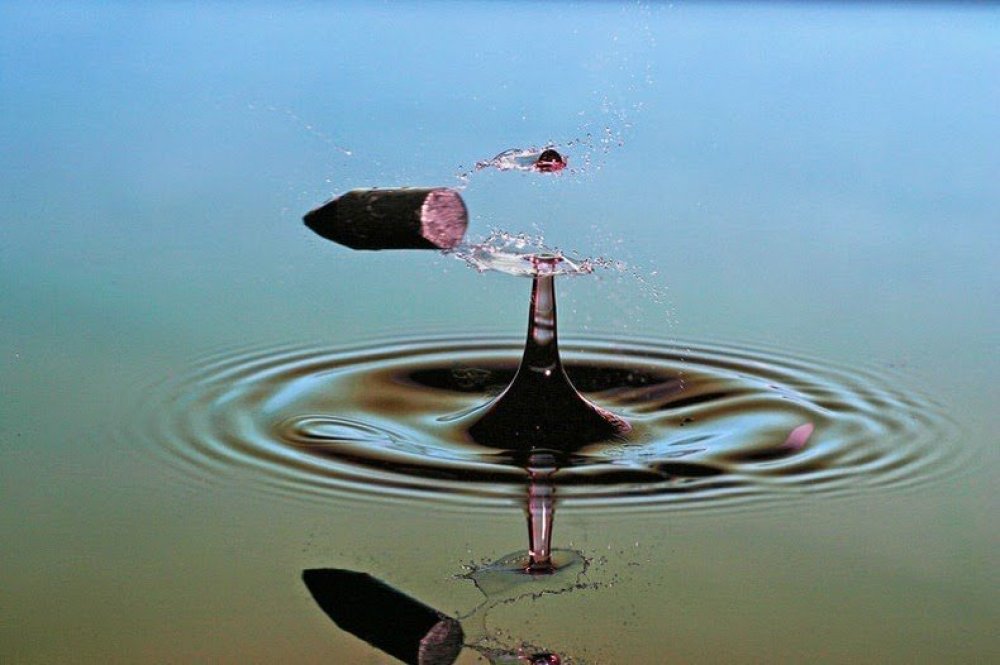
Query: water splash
{"x": 552, "y": 158}
{"x": 539, "y": 160}
{"x": 518, "y": 254}
{"x": 540, "y": 409}
{"x": 510, "y": 580}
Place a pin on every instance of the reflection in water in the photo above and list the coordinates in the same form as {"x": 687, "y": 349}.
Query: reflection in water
{"x": 384, "y": 617}
{"x": 417, "y": 634}
{"x": 399, "y": 625}
{"x": 540, "y": 510}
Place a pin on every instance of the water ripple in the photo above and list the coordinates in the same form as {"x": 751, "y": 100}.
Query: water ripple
{"x": 713, "y": 425}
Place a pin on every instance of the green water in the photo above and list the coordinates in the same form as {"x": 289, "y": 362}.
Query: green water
{"x": 818, "y": 179}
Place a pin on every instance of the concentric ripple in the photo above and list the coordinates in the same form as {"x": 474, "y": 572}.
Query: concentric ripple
{"x": 713, "y": 425}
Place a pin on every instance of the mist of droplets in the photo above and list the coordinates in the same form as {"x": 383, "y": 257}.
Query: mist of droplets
{"x": 515, "y": 254}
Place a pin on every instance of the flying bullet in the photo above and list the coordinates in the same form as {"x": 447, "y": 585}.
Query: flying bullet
{"x": 404, "y": 218}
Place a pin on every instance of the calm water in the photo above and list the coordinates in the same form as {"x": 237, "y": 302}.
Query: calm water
{"x": 803, "y": 203}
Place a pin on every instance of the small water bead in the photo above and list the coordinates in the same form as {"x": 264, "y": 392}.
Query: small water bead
{"x": 550, "y": 161}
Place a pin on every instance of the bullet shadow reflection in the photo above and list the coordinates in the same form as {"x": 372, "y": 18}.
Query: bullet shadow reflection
{"x": 397, "y": 624}
{"x": 384, "y": 617}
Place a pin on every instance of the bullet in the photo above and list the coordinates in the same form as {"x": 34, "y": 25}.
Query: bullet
{"x": 404, "y": 218}
{"x": 384, "y": 617}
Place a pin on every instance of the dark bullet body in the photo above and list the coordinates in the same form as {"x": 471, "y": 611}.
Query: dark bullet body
{"x": 405, "y": 218}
